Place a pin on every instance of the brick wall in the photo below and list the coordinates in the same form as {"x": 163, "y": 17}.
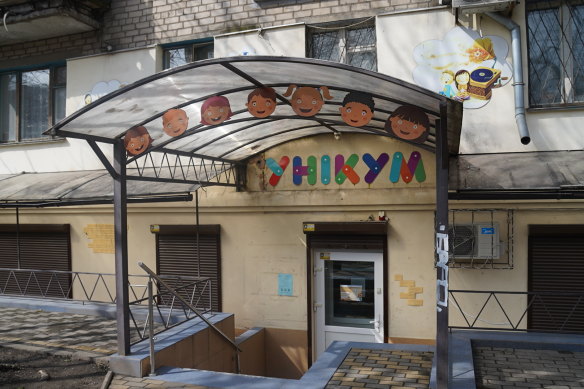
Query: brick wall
{"x": 137, "y": 23}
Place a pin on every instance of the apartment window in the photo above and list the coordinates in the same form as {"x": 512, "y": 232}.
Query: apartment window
{"x": 556, "y": 52}
{"x": 31, "y": 101}
{"x": 352, "y": 43}
{"x": 181, "y": 55}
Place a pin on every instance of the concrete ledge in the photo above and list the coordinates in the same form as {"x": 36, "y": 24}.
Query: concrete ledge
{"x": 137, "y": 364}
{"x": 105, "y": 310}
{"x": 461, "y": 342}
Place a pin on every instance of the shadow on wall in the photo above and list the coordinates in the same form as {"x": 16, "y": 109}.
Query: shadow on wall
{"x": 286, "y": 353}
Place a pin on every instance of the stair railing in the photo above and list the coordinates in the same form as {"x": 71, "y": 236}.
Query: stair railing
{"x": 153, "y": 275}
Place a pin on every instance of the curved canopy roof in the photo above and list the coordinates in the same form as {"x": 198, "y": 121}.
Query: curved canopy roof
{"x": 242, "y": 134}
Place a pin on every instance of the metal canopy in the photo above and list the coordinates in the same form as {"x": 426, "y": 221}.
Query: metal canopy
{"x": 225, "y": 145}
{"x": 528, "y": 175}
{"x": 81, "y": 187}
{"x": 230, "y": 139}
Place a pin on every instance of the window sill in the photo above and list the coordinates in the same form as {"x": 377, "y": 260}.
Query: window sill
{"x": 556, "y": 108}
{"x": 33, "y": 142}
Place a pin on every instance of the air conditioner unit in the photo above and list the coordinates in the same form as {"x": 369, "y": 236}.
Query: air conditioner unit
{"x": 480, "y": 6}
{"x": 478, "y": 241}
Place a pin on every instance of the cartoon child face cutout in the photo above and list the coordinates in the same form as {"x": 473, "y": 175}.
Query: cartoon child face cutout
{"x": 261, "y": 103}
{"x": 410, "y": 123}
{"x": 215, "y": 110}
{"x": 357, "y": 109}
{"x": 137, "y": 140}
{"x": 175, "y": 122}
{"x": 307, "y": 101}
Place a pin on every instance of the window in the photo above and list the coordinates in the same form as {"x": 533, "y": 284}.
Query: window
{"x": 556, "y": 52}
{"x": 176, "y": 255}
{"x": 181, "y": 55}
{"x": 353, "y": 43}
{"x": 31, "y": 101}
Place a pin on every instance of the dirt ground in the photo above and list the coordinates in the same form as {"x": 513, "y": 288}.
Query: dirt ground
{"x": 19, "y": 369}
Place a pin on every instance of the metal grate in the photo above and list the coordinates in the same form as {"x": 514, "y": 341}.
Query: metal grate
{"x": 556, "y": 52}
{"x": 350, "y": 43}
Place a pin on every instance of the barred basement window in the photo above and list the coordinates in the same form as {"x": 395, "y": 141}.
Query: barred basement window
{"x": 556, "y": 52}
{"x": 351, "y": 42}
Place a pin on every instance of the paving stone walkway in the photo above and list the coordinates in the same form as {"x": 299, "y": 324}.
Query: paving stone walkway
{"x": 383, "y": 369}
{"x": 508, "y": 368}
{"x": 87, "y": 336}
{"x": 121, "y": 382}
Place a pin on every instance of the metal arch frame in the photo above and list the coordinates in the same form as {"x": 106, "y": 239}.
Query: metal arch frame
{"x": 119, "y": 174}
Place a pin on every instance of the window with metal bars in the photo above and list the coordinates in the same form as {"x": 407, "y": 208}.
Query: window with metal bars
{"x": 30, "y": 102}
{"x": 178, "y": 55}
{"x": 555, "y": 52}
{"x": 352, "y": 43}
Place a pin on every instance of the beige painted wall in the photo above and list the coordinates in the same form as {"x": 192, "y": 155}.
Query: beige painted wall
{"x": 492, "y": 128}
{"x": 261, "y": 236}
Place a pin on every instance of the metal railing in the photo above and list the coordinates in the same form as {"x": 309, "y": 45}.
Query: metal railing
{"x": 168, "y": 309}
{"x": 56, "y": 284}
{"x": 100, "y": 288}
{"x": 545, "y": 311}
{"x": 175, "y": 293}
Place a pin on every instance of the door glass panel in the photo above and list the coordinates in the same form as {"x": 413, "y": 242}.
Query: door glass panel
{"x": 349, "y": 293}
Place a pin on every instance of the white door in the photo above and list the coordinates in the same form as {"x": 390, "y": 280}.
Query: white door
{"x": 348, "y": 297}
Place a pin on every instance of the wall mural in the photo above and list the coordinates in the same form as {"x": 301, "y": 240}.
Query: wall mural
{"x": 344, "y": 169}
{"x": 101, "y": 89}
{"x": 463, "y": 66}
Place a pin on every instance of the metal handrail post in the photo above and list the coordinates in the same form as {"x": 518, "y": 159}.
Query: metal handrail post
{"x": 151, "y": 327}
{"x": 191, "y": 307}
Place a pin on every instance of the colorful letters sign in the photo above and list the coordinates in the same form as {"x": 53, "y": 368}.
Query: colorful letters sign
{"x": 345, "y": 169}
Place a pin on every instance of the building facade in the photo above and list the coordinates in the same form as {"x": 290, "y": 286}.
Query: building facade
{"x": 309, "y": 259}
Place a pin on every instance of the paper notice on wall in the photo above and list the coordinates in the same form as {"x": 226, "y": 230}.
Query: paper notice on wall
{"x": 351, "y": 293}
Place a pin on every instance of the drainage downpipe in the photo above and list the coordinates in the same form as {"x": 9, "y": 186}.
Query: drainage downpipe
{"x": 518, "y": 85}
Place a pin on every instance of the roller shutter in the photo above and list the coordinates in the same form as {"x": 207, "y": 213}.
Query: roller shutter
{"x": 42, "y": 247}
{"x": 556, "y": 263}
{"x": 177, "y": 255}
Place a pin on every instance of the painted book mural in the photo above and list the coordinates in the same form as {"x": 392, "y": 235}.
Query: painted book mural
{"x": 464, "y": 66}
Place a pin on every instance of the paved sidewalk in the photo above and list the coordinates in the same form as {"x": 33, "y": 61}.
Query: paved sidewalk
{"x": 364, "y": 368}
{"x": 510, "y": 368}
{"x": 121, "y": 382}
{"x": 86, "y": 336}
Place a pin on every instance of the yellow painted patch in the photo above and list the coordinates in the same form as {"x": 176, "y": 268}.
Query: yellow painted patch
{"x": 398, "y": 277}
{"x": 416, "y": 290}
{"x": 407, "y": 295}
{"x": 102, "y": 238}
{"x": 416, "y": 303}
{"x": 407, "y": 283}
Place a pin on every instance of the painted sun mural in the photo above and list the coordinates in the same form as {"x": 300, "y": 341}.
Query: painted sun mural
{"x": 463, "y": 66}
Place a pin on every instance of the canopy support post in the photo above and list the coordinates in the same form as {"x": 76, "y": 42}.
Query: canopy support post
{"x": 17, "y": 237}
{"x": 121, "y": 248}
{"x": 198, "y": 227}
{"x": 441, "y": 228}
